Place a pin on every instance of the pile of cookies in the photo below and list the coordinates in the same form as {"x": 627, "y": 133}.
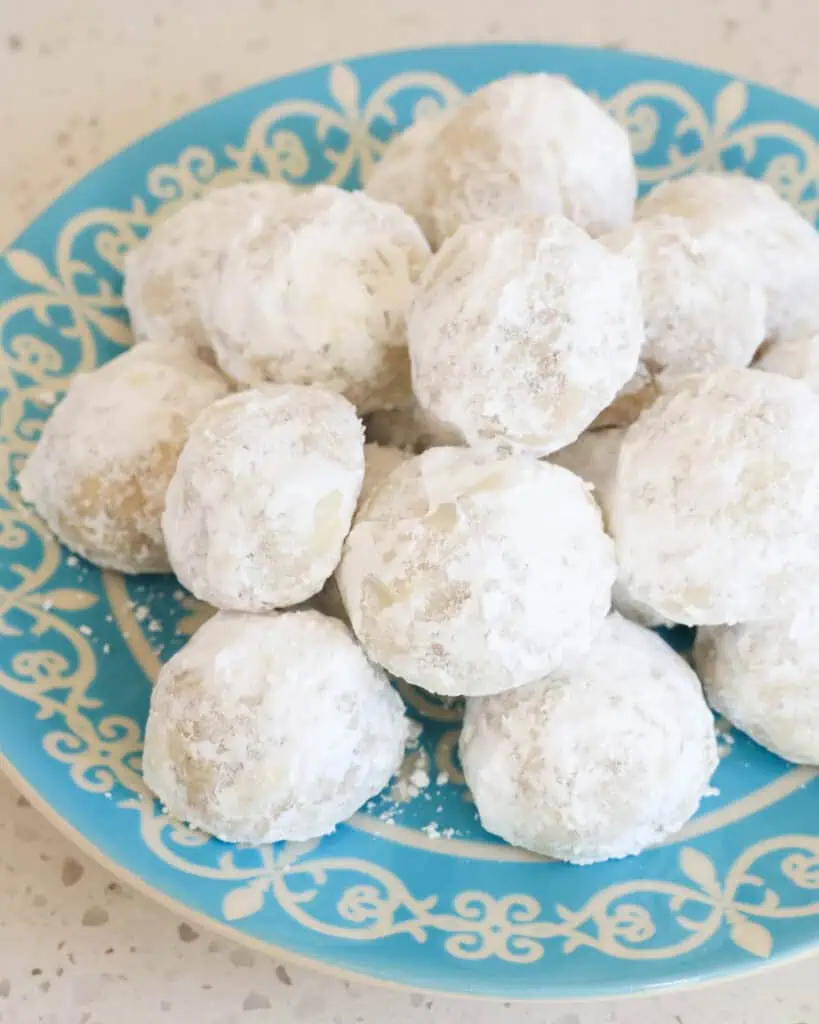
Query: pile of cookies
{"x": 438, "y": 428}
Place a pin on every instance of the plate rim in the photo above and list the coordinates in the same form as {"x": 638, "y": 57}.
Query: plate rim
{"x": 402, "y": 52}
{"x": 326, "y": 967}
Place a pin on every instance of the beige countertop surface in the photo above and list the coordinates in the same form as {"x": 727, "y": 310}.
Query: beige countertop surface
{"x": 78, "y": 80}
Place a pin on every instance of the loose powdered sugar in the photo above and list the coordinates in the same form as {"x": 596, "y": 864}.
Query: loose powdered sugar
{"x": 506, "y": 344}
{"x": 472, "y": 573}
{"x": 601, "y": 759}
{"x": 268, "y": 728}
{"x": 99, "y": 472}
{"x": 263, "y": 497}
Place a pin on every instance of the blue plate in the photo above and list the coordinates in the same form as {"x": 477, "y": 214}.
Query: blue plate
{"x": 411, "y": 891}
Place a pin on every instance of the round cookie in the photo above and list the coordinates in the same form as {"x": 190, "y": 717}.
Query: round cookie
{"x": 318, "y": 294}
{"x": 760, "y": 230}
{"x": 268, "y": 728}
{"x": 602, "y": 759}
{"x": 522, "y": 331}
{"x": 764, "y": 678}
{"x": 99, "y": 473}
{"x": 593, "y": 457}
{"x": 796, "y": 357}
{"x": 702, "y": 309}
{"x": 529, "y": 144}
{"x": 467, "y": 572}
{"x": 263, "y": 497}
{"x": 165, "y": 272}
{"x": 715, "y": 511}
{"x": 401, "y": 176}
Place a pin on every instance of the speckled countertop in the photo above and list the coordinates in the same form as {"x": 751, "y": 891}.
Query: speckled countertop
{"x": 78, "y": 81}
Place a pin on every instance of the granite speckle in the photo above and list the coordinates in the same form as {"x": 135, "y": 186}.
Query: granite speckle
{"x": 94, "y": 917}
{"x": 72, "y": 871}
{"x": 283, "y": 975}
{"x": 25, "y": 831}
{"x": 255, "y": 1001}
{"x": 186, "y": 933}
{"x": 240, "y": 957}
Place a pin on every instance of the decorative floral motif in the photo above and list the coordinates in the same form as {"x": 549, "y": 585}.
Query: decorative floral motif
{"x": 64, "y": 314}
{"x": 698, "y": 139}
{"x": 367, "y": 901}
{"x": 281, "y": 153}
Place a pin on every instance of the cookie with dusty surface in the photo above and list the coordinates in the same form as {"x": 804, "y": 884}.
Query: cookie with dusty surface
{"x": 522, "y": 331}
{"x": 715, "y": 510}
{"x": 528, "y": 144}
{"x": 99, "y": 473}
{"x": 165, "y": 273}
{"x": 764, "y": 678}
{"x": 263, "y": 497}
{"x": 601, "y": 759}
{"x": 467, "y": 572}
{"x": 318, "y": 294}
{"x": 758, "y": 229}
{"x": 268, "y": 728}
{"x": 702, "y": 308}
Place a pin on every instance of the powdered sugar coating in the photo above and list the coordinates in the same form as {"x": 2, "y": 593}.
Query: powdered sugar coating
{"x": 702, "y": 307}
{"x": 268, "y": 728}
{"x": 468, "y": 572}
{"x": 379, "y": 462}
{"x": 761, "y": 230}
{"x": 522, "y": 331}
{"x": 401, "y": 176}
{"x": 764, "y": 678}
{"x": 263, "y": 497}
{"x": 593, "y": 457}
{"x": 99, "y": 472}
{"x": 164, "y": 273}
{"x": 318, "y": 294}
{"x": 715, "y": 510}
{"x": 529, "y": 144}
{"x": 796, "y": 357}
{"x": 601, "y": 759}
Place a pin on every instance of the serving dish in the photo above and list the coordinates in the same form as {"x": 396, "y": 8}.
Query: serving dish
{"x": 411, "y": 891}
